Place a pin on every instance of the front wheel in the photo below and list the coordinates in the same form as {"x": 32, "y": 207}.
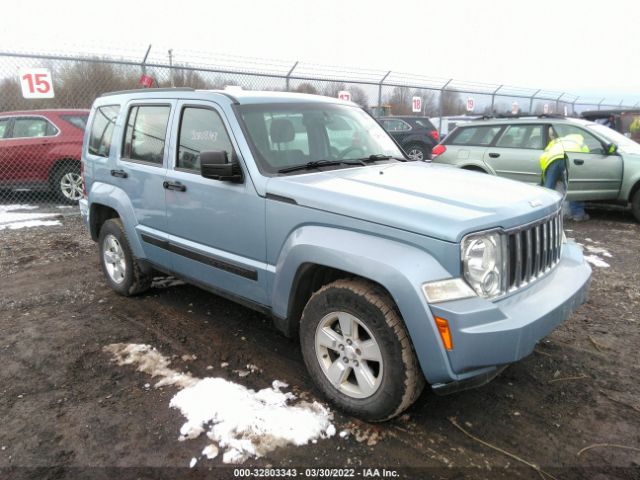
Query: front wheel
{"x": 358, "y": 351}
{"x": 119, "y": 266}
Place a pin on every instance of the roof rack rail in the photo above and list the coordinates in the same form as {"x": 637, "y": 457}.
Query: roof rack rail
{"x": 138, "y": 90}
{"x": 520, "y": 115}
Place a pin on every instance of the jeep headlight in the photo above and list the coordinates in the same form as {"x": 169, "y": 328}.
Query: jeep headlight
{"x": 482, "y": 260}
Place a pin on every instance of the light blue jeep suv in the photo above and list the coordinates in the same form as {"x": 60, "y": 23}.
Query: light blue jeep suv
{"x": 391, "y": 271}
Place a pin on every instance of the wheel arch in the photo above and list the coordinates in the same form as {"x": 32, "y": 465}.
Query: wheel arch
{"x": 61, "y": 163}
{"x": 314, "y": 255}
{"x": 98, "y": 214}
{"x": 474, "y": 168}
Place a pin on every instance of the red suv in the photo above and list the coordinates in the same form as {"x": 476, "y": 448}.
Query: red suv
{"x": 40, "y": 149}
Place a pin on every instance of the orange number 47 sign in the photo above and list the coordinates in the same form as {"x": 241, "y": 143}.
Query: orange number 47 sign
{"x": 36, "y": 83}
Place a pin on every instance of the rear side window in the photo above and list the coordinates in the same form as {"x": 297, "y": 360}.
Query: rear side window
{"x": 201, "y": 130}
{"x": 78, "y": 121}
{"x": 33, "y": 127}
{"x": 146, "y": 133}
{"x": 395, "y": 125}
{"x": 425, "y": 123}
{"x": 102, "y": 130}
{"x": 475, "y": 135}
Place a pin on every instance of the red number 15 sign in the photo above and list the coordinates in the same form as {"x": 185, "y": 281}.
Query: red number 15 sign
{"x": 36, "y": 83}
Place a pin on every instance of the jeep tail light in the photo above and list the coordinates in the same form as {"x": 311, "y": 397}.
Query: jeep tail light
{"x": 434, "y": 134}
{"x": 84, "y": 185}
{"x": 438, "y": 150}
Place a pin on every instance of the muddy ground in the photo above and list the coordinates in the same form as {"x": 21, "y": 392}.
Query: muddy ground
{"x": 68, "y": 411}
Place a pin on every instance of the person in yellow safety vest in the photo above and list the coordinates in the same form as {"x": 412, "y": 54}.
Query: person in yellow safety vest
{"x": 554, "y": 167}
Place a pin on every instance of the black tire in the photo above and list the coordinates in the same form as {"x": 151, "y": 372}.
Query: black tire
{"x": 399, "y": 377}
{"x": 66, "y": 182}
{"x": 635, "y": 205}
{"x": 131, "y": 281}
{"x": 418, "y": 151}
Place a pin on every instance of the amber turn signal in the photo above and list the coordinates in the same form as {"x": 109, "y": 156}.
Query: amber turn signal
{"x": 445, "y": 333}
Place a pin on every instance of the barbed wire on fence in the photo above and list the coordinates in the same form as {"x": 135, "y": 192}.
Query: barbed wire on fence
{"x": 32, "y": 171}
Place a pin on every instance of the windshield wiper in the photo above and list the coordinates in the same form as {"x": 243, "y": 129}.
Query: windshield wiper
{"x": 320, "y": 163}
{"x": 379, "y": 157}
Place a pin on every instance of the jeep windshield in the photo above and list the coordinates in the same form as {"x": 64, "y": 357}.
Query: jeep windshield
{"x": 297, "y": 137}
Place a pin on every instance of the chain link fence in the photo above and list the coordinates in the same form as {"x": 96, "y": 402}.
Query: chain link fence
{"x": 45, "y": 101}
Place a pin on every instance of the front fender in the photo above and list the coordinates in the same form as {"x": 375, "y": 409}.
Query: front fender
{"x": 115, "y": 198}
{"x": 398, "y": 267}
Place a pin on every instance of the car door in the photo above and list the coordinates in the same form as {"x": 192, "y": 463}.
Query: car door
{"x": 140, "y": 173}
{"x": 26, "y": 150}
{"x": 593, "y": 175}
{"x": 216, "y": 228}
{"x": 516, "y": 153}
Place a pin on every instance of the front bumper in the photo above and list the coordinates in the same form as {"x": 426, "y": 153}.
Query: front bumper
{"x": 490, "y": 334}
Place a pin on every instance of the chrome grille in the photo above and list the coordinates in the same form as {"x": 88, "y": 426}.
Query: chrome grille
{"x": 532, "y": 251}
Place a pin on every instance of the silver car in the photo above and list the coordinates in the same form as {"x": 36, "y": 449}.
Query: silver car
{"x": 511, "y": 148}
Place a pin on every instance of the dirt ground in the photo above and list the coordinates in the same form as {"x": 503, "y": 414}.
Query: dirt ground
{"x": 68, "y": 411}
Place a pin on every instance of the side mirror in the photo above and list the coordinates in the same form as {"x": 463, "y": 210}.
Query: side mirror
{"x": 215, "y": 165}
{"x": 611, "y": 149}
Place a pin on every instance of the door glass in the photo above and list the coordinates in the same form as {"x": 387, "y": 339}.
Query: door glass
{"x": 522, "y": 136}
{"x": 32, "y": 128}
{"x": 593, "y": 144}
{"x": 201, "y": 130}
{"x": 4, "y": 123}
{"x": 146, "y": 133}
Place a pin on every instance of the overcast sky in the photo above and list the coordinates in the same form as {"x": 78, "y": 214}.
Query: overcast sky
{"x": 590, "y": 48}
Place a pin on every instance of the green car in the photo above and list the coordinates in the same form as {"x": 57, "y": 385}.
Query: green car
{"x": 511, "y": 147}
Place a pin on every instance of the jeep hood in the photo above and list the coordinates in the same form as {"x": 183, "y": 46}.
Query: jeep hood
{"x": 435, "y": 200}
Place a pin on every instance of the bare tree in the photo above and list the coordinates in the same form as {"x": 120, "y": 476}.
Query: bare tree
{"x": 186, "y": 78}
{"x": 452, "y": 104}
{"x": 306, "y": 87}
{"x": 400, "y": 101}
{"x": 359, "y": 96}
{"x": 332, "y": 89}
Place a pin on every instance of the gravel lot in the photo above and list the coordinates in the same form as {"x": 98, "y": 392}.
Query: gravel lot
{"x": 69, "y": 411}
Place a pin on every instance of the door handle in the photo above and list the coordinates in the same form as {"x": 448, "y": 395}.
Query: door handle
{"x": 119, "y": 173}
{"x": 176, "y": 186}
{"x": 494, "y": 155}
{"x": 577, "y": 161}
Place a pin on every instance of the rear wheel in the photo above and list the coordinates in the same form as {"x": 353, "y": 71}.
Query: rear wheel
{"x": 119, "y": 266}
{"x": 66, "y": 182}
{"x": 635, "y": 205}
{"x": 418, "y": 152}
{"x": 358, "y": 351}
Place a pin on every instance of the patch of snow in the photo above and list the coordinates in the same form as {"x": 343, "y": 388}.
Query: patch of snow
{"x": 210, "y": 451}
{"x": 596, "y": 261}
{"x": 193, "y": 462}
{"x": 598, "y": 251}
{"x": 16, "y": 206}
{"x": 13, "y": 220}
{"x": 343, "y": 434}
{"x": 224, "y": 364}
{"x": 243, "y": 422}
